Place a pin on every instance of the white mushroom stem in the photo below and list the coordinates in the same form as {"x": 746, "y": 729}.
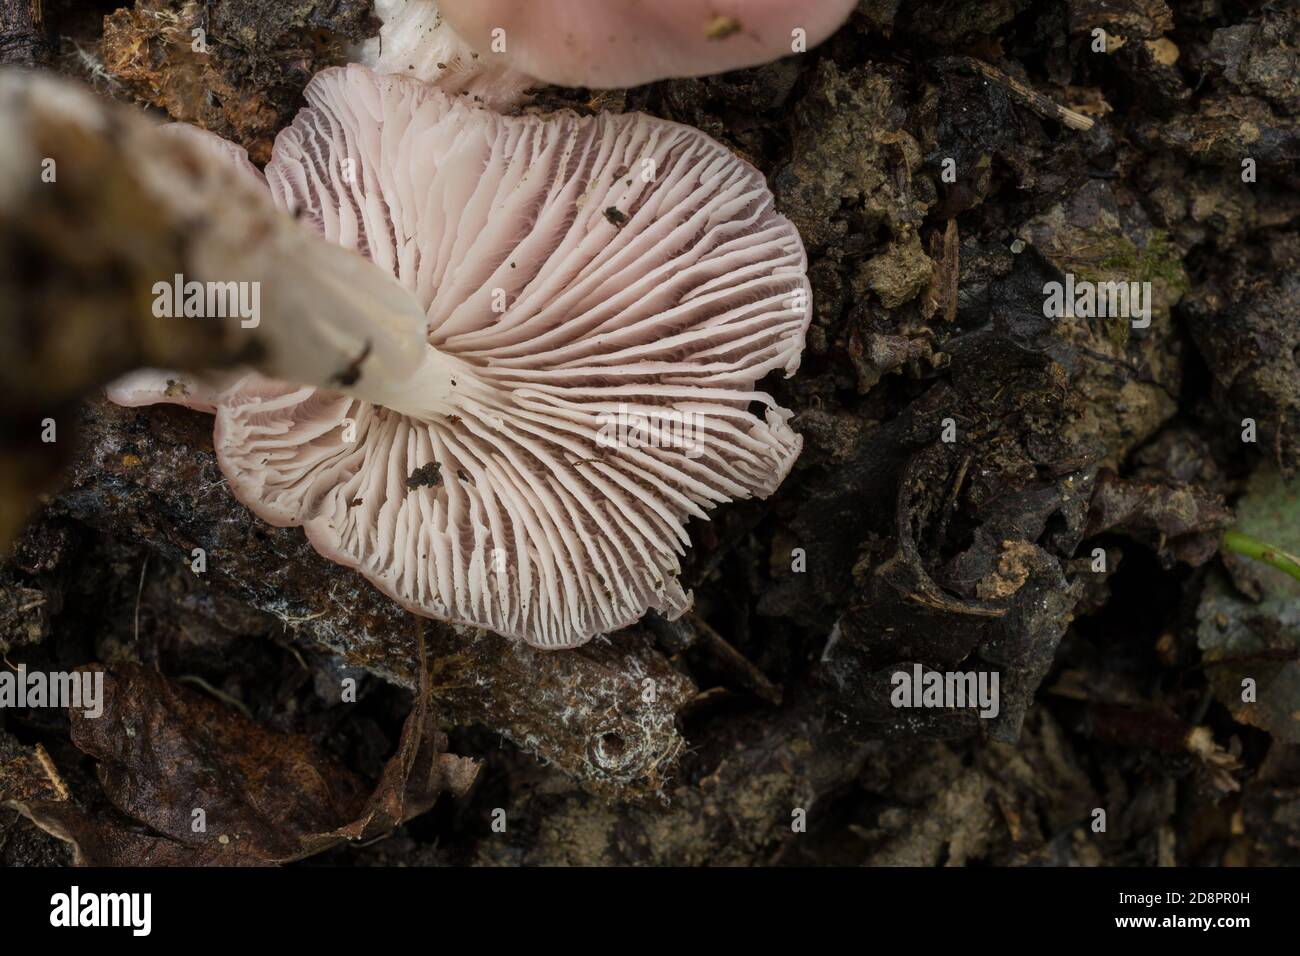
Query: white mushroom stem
{"x": 327, "y": 316}
{"x": 162, "y": 247}
{"x": 440, "y": 386}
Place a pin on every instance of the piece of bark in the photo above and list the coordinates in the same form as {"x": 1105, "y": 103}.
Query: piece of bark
{"x": 604, "y": 713}
{"x": 22, "y": 33}
{"x": 945, "y": 250}
{"x": 243, "y": 81}
{"x": 1044, "y": 106}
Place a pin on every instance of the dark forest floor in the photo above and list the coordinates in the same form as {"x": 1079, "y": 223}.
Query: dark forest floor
{"x": 982, "y": 488}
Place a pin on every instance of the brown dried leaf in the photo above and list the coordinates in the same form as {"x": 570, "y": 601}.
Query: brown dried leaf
{"x": 1181, "y": 521}
{"x": 165, "y": 751}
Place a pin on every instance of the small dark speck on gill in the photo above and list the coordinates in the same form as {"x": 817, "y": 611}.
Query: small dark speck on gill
{"x": 426, "y": 476}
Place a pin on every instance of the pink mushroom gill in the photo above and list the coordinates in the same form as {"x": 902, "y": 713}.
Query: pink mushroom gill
{"x": 603, "y": 295}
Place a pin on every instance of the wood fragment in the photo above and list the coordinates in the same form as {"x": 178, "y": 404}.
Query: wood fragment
{"x": 22, "y": 34}
{"x": 1042, "y": 105}
{"x": 945, "y": 250}
{"x": 52, "y": 772}
{"x": 740, "y": 667}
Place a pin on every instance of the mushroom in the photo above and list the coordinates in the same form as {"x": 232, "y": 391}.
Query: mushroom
{"x": 100, "y": 208}
{"x": 602, "y": 294}
{"x": 493, "y": 46}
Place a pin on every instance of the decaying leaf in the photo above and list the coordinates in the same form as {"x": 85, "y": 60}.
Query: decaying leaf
{"x": 1181, "y": 522}
{"x": 197, "y": 783}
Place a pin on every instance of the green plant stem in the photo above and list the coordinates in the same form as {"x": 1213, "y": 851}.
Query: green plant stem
{"x": 1242, "y": 543}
